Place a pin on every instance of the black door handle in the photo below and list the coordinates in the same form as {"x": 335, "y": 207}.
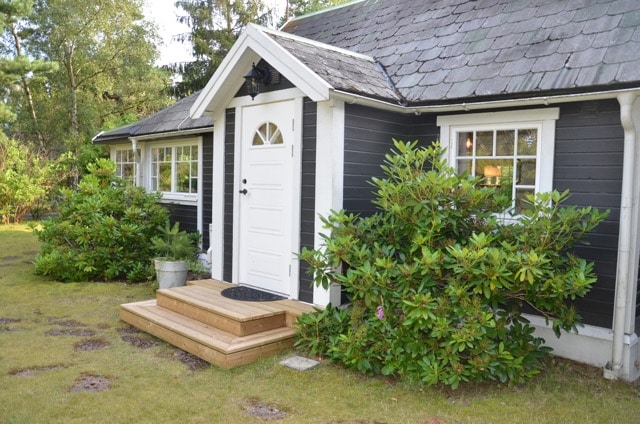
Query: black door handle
{"x": 243, "y": 191}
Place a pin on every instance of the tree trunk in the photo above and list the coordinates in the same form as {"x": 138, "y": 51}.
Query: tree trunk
{"x": 27, "y": 91}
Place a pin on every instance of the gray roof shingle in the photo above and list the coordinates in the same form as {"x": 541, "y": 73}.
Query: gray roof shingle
{"x": 172, "y": 119}
{"x": 438, "y": 51}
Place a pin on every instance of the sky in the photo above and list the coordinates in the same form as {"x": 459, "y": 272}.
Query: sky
{"x": 164, "y": 14}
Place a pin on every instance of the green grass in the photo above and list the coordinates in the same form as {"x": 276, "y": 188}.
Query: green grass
{"x": 37, "y": 372}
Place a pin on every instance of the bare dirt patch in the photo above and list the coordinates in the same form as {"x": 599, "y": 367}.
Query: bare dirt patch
{"x": 258, "y": 409}
{"x": 139, "y": 341}
{"x": 70, "y": 323}
{"x": 191, "y": 361}
{"x": 135, "y": 338}
{"x": 71, "y": 332}
{"x": 91, "y": 344}
{"x": 90, "y": 383}
{"x": 128, "y": 330}
{"x": 9, "y": 258}
{"x": 4, "y": 324}
{"x": 28, "y": 372}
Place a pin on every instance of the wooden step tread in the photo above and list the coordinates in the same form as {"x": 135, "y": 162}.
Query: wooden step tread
{"x": 202, "y": 333}
{"x": 212, "y": 300}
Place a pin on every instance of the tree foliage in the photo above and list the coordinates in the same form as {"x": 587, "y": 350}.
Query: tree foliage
{"x": 15, "y": 66}
{"x": 106, "y": 76}
{"x": 215, "y": 25}
{"x": 437, "y": 285}
{"x": 27, "y": 182}
{"x": 103, "y": 231}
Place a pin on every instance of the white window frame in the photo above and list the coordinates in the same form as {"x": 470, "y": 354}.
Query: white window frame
{"x": 136, "y": 164}
{"x": 543, "y": 119}
{"x": 171, "y": 196}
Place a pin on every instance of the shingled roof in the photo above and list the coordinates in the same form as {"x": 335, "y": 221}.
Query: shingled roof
{"x": 439, "y": 51}
{"x": 173, "y": 119}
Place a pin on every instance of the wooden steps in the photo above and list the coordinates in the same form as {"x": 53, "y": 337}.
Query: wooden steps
{"x": 228, "y": 333}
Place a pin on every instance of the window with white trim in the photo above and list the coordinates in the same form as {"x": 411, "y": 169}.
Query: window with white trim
{"x": 174, "y": 169}
{"x": 126, "y": 165}
{"x": 511, "y": 151}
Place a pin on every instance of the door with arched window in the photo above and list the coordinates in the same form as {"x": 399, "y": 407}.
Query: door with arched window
{"x": 266, "y": 233}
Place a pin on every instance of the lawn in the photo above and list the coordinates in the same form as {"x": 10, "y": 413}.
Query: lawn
{"x": 65, "y": 358}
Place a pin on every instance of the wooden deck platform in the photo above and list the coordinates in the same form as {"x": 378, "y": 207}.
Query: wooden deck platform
{"x": 225, "y": 332}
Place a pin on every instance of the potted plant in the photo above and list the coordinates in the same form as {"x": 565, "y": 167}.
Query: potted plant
{"x": 176, "y": 254}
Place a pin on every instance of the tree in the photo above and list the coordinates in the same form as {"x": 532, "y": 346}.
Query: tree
{"x": 16, "y": 67}
{"x": 107, "y": 77}
{"x": 215, "y": 26}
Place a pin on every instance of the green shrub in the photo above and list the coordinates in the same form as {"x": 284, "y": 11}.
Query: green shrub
{"x": 26, "y": 180}
{"x": 437, "y": 285}
{"x": 103, "y": 231}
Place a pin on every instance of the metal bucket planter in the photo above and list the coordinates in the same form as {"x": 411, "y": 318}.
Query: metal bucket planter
{"x": 171, "y": 273}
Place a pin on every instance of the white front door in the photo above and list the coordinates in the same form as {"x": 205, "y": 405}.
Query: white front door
{"x": 265, "y": 197}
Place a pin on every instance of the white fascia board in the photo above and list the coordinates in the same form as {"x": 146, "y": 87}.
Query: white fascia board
{"x": 254, "y": 44}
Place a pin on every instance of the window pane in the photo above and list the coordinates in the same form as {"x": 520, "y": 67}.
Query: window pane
{"x": 277, "y": 138}
{"x": 465, "y": 144}
{"x": 182, "y": 177}
{"x": 493, "y": 171}
{"x": 521, "y": 199}
{"x": 484, "y": 143}
{"x": 526, "y": 172}
{"x": 464, "y": 166}
{"x": 257, "y": 139}
{"x": 127, "y": 171}
{"x": 194, "y": 153}
{"x": 164, "y": 179}
{"x": 505, "y": 142}
{"x": 527, "y": 141}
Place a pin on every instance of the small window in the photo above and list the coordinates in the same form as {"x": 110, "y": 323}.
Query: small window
{"x": 174, "y": 169}
{"x": 511, "y": 151}
{"x": 504, "y": 158}
{"x": 126, "y": 165}
{"x": 267, "y": 134}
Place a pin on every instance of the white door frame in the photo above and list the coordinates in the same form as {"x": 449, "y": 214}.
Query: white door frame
{"x": 295, "y": 195}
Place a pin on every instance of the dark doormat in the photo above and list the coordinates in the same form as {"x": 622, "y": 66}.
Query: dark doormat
{"x": 249, "y": 295}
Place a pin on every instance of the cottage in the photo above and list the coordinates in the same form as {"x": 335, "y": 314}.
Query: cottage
{"x": 536, "y": 94}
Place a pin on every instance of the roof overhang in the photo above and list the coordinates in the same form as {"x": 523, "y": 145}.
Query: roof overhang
{"x": 254, "y": 44}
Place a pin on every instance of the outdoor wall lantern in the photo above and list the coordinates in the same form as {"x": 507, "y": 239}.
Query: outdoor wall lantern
{"x": 254, "y": 78}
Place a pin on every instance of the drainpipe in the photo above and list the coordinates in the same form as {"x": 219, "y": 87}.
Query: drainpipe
{"x": 626, "y": 248}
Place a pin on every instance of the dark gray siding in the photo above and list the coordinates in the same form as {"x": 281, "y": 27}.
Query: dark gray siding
{"x": 307, "y": 207}
{"x": 368, "y": 138}
{"x": 229, "y": 134}
{"x": 207, "y": 189}
{"x": 588, "y": 161}
{"x": 186, "y": 215}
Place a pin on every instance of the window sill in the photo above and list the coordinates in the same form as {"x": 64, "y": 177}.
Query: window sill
{"x": 183, "y": 199}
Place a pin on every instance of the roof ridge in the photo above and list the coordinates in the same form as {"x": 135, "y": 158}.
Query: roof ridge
{"x": 314, "y": 43}
{"x": 321, "y": 11}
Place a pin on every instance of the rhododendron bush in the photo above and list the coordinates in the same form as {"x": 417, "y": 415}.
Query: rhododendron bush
{"x": 437, "y": 281}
